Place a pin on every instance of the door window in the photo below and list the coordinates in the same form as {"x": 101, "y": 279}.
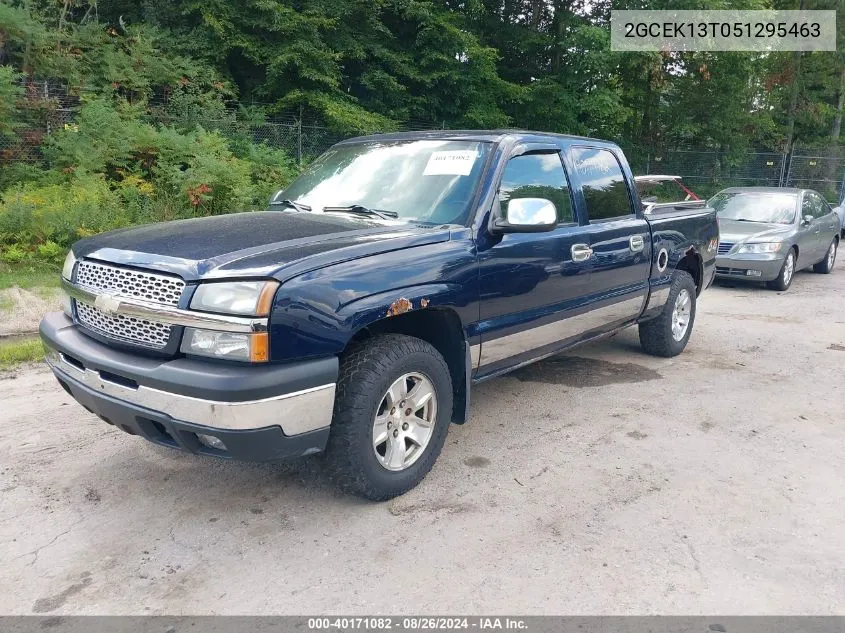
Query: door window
{"x": 821, "y": 205}
{"x": 603, "y": 183}
{"x": 807, "y": 206}
{"x": 538, "y": 176}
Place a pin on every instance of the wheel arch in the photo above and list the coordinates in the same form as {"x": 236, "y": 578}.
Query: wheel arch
{"x": 439, "y": 326}
{"x": 692, "y": 263}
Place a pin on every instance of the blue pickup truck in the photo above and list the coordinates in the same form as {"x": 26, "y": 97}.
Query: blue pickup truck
{"x": 354, "y": 315}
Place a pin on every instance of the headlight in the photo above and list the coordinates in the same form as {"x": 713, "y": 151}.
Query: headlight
{"x": 761, "y": 247}
{"x": 67, "y": 273}
{"x": 67, "y": 306}
{"x": 251, "y": 348}
{"x": 67, "y": 268}
{"x": 250, "y": 298}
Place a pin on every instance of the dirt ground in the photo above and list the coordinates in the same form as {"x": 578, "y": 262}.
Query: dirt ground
{"x": 21, "y": 309}
{"x": 605, "y": 481}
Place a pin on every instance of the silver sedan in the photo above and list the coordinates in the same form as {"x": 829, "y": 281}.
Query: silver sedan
{"x": 767, "y": 233}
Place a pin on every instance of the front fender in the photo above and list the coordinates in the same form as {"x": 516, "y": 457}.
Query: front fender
{"x": 310, "y": 323}
{"x": 363, "y": 312}
{"x": 317, "y": 313}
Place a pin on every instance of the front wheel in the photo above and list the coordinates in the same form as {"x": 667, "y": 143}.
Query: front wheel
{"x": 668, "y": 334}
{"x": 392, "y": 412}
{"x": 787, "y": 272}
{"x": 826, "y": 265}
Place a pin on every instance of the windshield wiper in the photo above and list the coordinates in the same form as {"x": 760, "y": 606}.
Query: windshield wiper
{"x": 362, "y": 210}
{"x": 291, "y": 205}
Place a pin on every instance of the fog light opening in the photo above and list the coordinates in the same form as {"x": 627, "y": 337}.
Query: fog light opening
{"x": 211, "y": 442}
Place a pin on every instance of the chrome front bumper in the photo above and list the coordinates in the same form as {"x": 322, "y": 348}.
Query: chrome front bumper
{"x": 297, "y": 398}
{"x": 297, "y": 412}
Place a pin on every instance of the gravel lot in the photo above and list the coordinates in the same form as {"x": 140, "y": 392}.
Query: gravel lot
{"x": 605, "y": 481}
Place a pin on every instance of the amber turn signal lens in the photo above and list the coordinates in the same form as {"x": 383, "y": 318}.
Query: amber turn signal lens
{"x": 259, "y": 349}
{"x": 265, "y": 299}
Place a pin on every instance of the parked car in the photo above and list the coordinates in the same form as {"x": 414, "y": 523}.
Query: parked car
{"x": 660, "y": 188}
{"x": 839, "y": 210}
{"x": 767, "y": 233}
{"x": 396, "y": 272}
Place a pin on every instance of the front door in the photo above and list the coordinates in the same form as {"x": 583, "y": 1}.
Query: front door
{"x": 529, "y": 281}
{"x": 809, "y": 238}
{"x": 823, "y": 225}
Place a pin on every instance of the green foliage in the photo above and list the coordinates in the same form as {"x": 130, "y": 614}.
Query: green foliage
{"x": 11, "y": 92}
{"x": 17, "y": 351}
{"x": 33, "y": 215}
{"x": 161, "y": 127}
{"x": 112, "y": 169}
{"x": 33, "y": 274}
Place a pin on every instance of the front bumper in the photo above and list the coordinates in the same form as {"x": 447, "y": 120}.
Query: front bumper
{"x": 259, "y": 413}
{"x": 768, "y": 266}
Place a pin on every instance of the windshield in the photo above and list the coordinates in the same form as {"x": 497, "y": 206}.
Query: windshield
{"x": 430, "y": 181}
{"x": 771, "y": 208}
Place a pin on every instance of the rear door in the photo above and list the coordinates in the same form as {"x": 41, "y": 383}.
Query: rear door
{"x": 817, "y": 232}
{"x": 826, "y": 222}
{"x": 617, "y": 236}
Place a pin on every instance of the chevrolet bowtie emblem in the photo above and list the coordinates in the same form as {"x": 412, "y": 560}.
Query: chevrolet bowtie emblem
{"x": 107, "y": 304}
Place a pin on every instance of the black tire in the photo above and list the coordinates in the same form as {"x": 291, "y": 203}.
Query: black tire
{"x": 367, "y": 370}
{"x": 826, "y": 265}
{"x": 656, "y": 336}
{"x": 782, "y": 282}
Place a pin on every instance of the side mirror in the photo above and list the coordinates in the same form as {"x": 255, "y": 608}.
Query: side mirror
{"x": 807, "y": 220}
{"x": 525, "y": 215}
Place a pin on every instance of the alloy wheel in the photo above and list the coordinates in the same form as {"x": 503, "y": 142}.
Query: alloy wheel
{"x": 404, "y": 421}
{"x": 788, "y": 268}
{"x": 681, "y": 314}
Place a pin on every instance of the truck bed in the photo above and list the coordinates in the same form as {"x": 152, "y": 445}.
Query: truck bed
{"x": 675, "y": 208}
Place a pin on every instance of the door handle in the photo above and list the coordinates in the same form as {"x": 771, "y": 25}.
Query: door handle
{"x": 581, "y": 252}
{"x": 637, "y": 243}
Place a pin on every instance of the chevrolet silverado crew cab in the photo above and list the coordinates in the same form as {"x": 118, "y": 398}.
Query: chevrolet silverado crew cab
{"x": 354, "y": 315}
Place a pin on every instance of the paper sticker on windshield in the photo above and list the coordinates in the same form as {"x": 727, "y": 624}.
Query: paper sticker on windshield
{"x": 451, "y": 163}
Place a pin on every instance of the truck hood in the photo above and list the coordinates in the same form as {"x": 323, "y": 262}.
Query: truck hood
{"x": 734, "y": 231}
{"x": 278, "y": 244}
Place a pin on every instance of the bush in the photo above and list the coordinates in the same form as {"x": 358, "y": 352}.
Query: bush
{"x": 33, "y": 215}
{"x": 13, "y": 255}
{"x": 111, "y": 169}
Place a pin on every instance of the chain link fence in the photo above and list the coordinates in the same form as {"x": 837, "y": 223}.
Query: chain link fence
{"x": 303, "y": 138}
{"x": 822, "y": 171}
{"x": 708, "y": 171}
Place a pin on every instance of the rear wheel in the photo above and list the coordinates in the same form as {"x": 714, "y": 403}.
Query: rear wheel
{"x": 787, "y": 272}
{"x": 668, "y": 334}
{"x": 392, "y": 413}
{"x": 826, "y": 265}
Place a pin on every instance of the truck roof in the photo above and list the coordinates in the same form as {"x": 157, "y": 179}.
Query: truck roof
{"x": 492, "y": 136}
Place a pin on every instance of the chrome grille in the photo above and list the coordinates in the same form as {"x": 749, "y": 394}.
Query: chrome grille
{"x": 134, "y": 284}
{"x": 725, "y": 247}
{"x": 124, "y": 328}
{"x": 130, "y": 283}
